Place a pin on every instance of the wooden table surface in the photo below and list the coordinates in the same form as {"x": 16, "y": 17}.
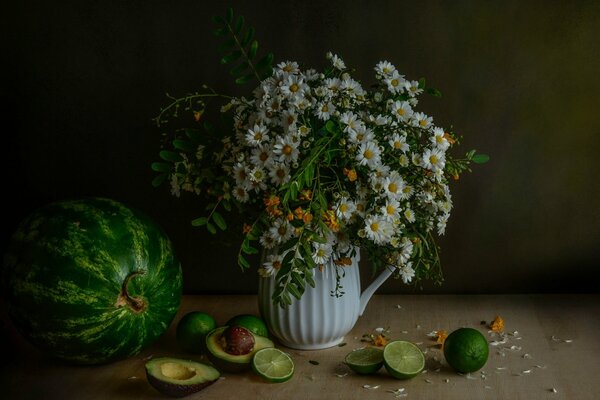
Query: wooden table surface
{"x": 556, "y": 346}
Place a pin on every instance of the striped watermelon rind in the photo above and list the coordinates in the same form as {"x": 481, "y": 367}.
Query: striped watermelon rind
{"x": 91, "y": 280}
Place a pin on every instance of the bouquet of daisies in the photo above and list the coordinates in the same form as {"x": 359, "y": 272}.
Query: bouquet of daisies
{"x": 320, "y": 166}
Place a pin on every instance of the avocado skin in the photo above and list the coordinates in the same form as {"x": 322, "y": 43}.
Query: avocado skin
{"x": 174, "y": 390}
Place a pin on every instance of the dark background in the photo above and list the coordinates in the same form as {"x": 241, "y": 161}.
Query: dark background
{"x": 81, "y": 82}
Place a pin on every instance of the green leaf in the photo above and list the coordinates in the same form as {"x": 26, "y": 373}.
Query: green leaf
{"x": 220, "y": 31}
{"x": 226, "y": 45}
{"x": 161, "y": 167}
{"x": 480, "y": 158}
{"x": 184, "y": 145}
{"x": 330, "y": 126}
{"x": 239, "y": 69}
{"x": 219, "y": 220}
{"x": 242, "y": 262}
{"x": 265, "y": 62}
{"x": 211, "y": 228}
{"x": 170, "y": 156}
{"x": 248, "y": 38}
{"x": 434, "y": 92}
{"x": 244, "y": 79}
{"x": 239, "y": 25}
{"x": 422, "y": 83}
{"x": 294, "y": 291}
{"x": 234, "y": 55}
{"x": 158, "y": 180}
{"x": 253, "y": 49}
{"x": 229, "y": 15}
{"x": 199, "y": 221}
{"x": 226, "y": 205}
{"x": 194, "y": 135}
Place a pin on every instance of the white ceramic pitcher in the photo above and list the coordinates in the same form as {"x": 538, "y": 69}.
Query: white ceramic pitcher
{"x": 318, "y": 320}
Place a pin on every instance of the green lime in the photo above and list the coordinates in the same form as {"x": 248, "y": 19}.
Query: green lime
{"x": 403, "y": 360}
{"x": 192, "y": 329}
{"x": 273, "y": 365}
{"x": 365, "y": 361}
{"x": 466, "y": 350}
{"x": 250, "y": 322}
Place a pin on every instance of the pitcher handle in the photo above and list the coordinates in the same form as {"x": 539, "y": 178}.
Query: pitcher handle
{"x": 368, "y": 292}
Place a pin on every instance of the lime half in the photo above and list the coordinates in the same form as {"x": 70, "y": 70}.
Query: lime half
{"x": 365, "y": 361}
{"x": 273, "y": 365}
{"x": 403, "y": 360}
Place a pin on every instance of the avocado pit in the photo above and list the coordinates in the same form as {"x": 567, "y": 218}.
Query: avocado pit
{"x": 237, "y": 341}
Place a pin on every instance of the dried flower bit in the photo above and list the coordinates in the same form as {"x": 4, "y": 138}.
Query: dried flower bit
{"x": 497, "y": 324}
{"x": 446, "y": 380}
{"x": 398, "y": 306}
{"x": 553, "y": 390}
{"x": 398, "y": 392}
{"x": 482, "y": 322}
{"x": 527, "y": 356}
{"x": 380, "y": 341}
{"x": 313, "y": 362}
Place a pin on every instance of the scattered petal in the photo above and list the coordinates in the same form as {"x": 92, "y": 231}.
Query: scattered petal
{"x": 561, "y": 340}
{"x": 488, "y": 387}
{"x": 446, "y": 380}
{"x": 527, "y": 355}
{"x": 131, "y": 378}
{"x": 527, "y": 371}
{"x": 418, "y": 326}
{"x": 404, "y": 331}
{"x": 341, "y": 375}
{"x": 149, "y": 357}
{"x": 428, "y": 381}
{"x": 540, "y": 366}
{"x": 553, "y": 390}
{"x": 398, "y": 306}
{"x": 379, "y": 330}
{"x": 501, "y": 368}
{"x": 424, "y": 371}
{"x": 371, "y": 387}
{"x": 498, "y": 342}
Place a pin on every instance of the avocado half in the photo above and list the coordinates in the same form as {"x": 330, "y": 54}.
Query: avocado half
{"x": 179, "y": 378}
{"x": 229, "y": 362}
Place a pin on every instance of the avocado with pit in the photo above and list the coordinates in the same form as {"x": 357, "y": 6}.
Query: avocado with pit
{"x": 179, "y": 378}
{"x": 231, "y": 348}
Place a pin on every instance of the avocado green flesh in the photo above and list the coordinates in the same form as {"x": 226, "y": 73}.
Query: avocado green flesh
{"x": 178, "y": 378}
{"x": 229, "y": 362}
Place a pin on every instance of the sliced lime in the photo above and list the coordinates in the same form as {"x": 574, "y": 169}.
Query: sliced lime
{"x": 403, "y": 360}
{"x": 273, "y": 365}
{"x": 364, "y": 361}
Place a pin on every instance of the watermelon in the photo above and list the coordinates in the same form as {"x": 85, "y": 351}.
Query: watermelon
{"x": 91, "y": 281}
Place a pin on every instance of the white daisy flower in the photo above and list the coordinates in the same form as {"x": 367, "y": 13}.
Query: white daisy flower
{"x": 378, "y": 229}
{"x": 412, "y": 88}
{"x": 361, "y": 135}
{"x": 289, "y": 119}
{"x": 385, "y": 68}
{"x": 281, "y": 230}
{"x": 324, "y": 110}
{"x": 293, "y": 86}
{"x": 403, "y": 160}
{"x": 273, "y": 263}
{"x": 395, "y": 82}
{"x": 407, "y": 273}
{"x": 337, "y": 62}
{"x": 257, "y": 175}
{"x": 303, "y": 130}
{"x": 351, "y": 121}
{"x": 344, "y": 209}
{"x": 409, "y": 215}
{"x": 441, "y": 225}
{"x": 393, "y": 185}
{"x": 321, "y": 253}
{"x": 333, "y": 85}
{"x": 286, "y": 148}
{"x": 241, "y": 194}
{"x": 421, "y": 120}
{"x": 398, "y": 142}
{"x": 401, "y": 110}
{"x": 240, "y": 173}
{"x": 368, "y": 154}
{"x": 279, "y": 173}
{"x": 434, "y": 159}
{"x": 405, "y": 251}
{"x": 361, "y": 207}
{"x": 267, "y": 241}
{"x": 379, "y": 120}
{"x": 391, "y": 210}
{"x": 257, "y": 135}
{"x": 406, "y": 192}
{"x": 261, "y": 156}
{"x": 439, "y": 139}
{"x": 351, "y": 88}
{"x": 287, "y": 67}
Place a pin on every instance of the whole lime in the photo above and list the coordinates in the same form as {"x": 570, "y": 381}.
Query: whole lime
{"x": 466, "y": 350}
{"x": 251, "y": 322}
{"x": 192, "y": 330}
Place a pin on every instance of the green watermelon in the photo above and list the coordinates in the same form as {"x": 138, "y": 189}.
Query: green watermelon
{"x": 91, "y": 281}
